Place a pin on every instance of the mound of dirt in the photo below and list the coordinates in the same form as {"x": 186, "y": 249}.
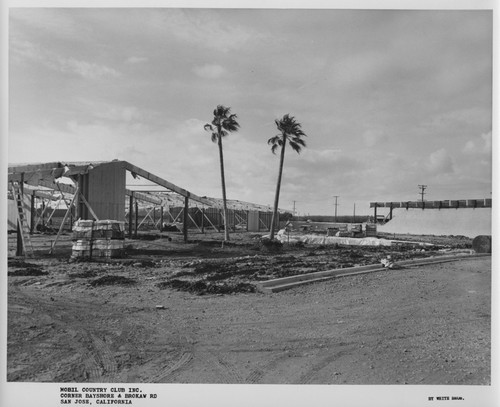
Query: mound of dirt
{"x": 112, "y": 280}
{"x": 83, "y": 274}
{"x": 27, "y": 271}
{"x": 19, "y": 263}
{"x": 271, "y": 246}
{"x": 201, "y": 287}
{"x": 482, "y": 244}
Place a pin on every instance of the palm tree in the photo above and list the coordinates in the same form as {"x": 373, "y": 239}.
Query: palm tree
{"x": 222, "y": 124}
{"x": 290, "y": 131}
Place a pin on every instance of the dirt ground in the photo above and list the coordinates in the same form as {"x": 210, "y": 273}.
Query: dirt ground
{"x": 171, "y": 312}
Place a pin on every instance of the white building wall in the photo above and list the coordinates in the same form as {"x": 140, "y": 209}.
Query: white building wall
{"x": 469, "y": 222}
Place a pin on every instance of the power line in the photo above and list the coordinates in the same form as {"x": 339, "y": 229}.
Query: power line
{"x": 422, "y": 189}
{"x": 336, "y": 204}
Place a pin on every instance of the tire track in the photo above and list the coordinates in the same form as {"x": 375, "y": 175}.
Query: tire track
{"x": 314, "y": 371}
{"x": 104, "y": 357}
{"x": 230, "y": 372}
{"x": 98, "y": 360}
{"x": 222, "y": 370}
{"x": 256, "y": 376}
{"x": 169, "y": 373}
{"x": 92, "y": 371}
{"x": 309, "y": 375}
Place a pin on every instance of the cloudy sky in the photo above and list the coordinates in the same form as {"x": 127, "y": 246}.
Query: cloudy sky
{"x": 389, "y": 99}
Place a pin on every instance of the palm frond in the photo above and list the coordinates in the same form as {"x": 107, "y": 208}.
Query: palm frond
{"x": 278, "y": 124}
{"x": 223, "y": 123}
{"x": 274, "y": 140}
{"x": 298, "y": 141}
{"x": 291, "y": 130}
{"x": 297, "y": 146}
{"x": 296, "y": 138}
{"x": 230, "y": 123}
{"x": 274, "y": 148}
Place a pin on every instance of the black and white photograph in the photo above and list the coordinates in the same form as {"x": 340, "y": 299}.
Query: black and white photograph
{"x": 249, "y": 204}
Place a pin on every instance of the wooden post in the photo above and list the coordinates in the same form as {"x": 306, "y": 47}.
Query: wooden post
{"x": 390, "y": 212}
{"x": 43, "y": 212}
{"x": 32, "y": 218}
{"x": 161, "y": 218}
{"x": 136, "y": 218}
{"x": 91, "y": 240}
{"x": 185, "y": 219}
{"x": 70, "y": 217}
{"x": 130, "y": 215}
{"x": 203, "y": 220}
{"x": 78, "y": 209}
{"x": 375, "y": 212}
{"x": 19, "y": 237}
{"x": 75, "y": 197}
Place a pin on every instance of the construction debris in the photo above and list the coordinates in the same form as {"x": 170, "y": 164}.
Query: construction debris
{"x": 286, "y": 237}
{"x": 387, "y": 262}
{"x": 102, "y": 238}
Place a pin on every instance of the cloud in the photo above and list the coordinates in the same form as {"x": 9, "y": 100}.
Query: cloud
{"x": 136, "y": 60}
{"x": 122, "y": 113}
{"x": 355, "y": 79}
{"x": 320, "y": 157}
{"x": 440, "y": 162}
{"x": 28, "y": 52}
{"x": 206, "y": 28}
{"x": 481, "y": 145}
{"x": 52, "y": 21}
{"x": 461, "y": 117}
{"x": 87, "y": 70}
{"x": 210, "y": 71}
{"x": 72, "y": 142}
{"x": 373, "y": 137}
{"x": 357, "y": 69}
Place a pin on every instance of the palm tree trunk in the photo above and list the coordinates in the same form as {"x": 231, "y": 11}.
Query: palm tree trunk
{"x": 223, "y": 182}
{"x": 278, "y": 187}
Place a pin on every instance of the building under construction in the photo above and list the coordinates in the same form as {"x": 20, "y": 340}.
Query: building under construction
{"x": 56, "y": 194}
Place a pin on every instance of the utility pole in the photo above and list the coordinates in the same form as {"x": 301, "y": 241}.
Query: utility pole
{"x": 336, "y": 204}
{"x": 422, "y": 189}
{"x": 294, "y": 208}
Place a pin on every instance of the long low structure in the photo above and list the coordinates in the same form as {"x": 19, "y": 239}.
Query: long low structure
{"x": 459, "y": 222}
{"x": 446, "y": 204}
{"x": 285, "y": 237}
{"x": 286, "y": 283}
{"x": 99, "y": 190}
{"x": 466, "y": 217}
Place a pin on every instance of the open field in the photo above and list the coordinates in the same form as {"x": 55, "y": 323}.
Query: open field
{"x": 171, "y": 312}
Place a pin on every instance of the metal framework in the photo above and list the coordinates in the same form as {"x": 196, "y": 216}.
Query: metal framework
{"x": 175, "y": 204}
{"x": 447, "y": 204}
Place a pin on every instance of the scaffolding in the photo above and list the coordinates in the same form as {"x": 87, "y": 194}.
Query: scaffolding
{"x": 98, "y": 190}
